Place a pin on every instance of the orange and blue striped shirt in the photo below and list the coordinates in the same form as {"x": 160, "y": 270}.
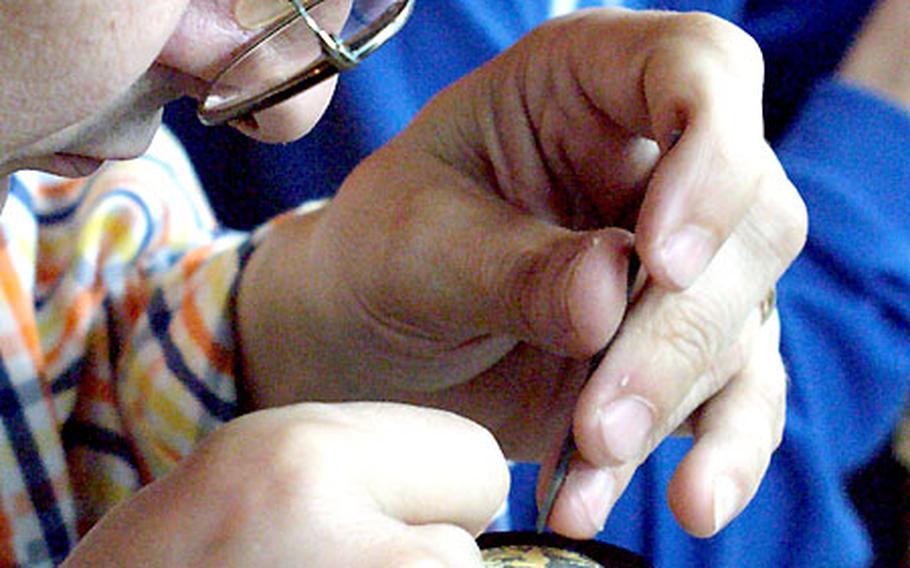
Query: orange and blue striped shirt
{"x": 117, "y": 351}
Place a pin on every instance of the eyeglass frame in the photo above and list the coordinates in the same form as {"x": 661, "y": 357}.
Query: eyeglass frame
{"x": 337, "y": 56}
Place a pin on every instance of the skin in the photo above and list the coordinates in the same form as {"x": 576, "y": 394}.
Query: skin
{"x": 475, "y": 240}
{"x": 500, "y": 187}
{"x": 107, "y": 91}
{"x": 264, "y": 516}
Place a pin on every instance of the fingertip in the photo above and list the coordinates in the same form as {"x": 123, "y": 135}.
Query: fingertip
{"x": 690, "y": 498}
{"x": 716, "y": 510}
{"x": 726, "y": 501}
{"x": 584, "y": 502}
{"x": 705, "y": 498}
{"x": 697, "y": 196}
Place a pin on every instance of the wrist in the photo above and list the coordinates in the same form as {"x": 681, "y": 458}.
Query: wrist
{"x": 274, "y": 316}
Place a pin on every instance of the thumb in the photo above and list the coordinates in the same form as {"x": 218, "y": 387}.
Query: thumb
{"x": 463, "y": 264}
{"x": 567, "y": 294}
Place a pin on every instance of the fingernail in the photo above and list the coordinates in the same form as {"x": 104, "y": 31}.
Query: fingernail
{"x": 726, "y": 501}
{"x": 593, "y": 489}
{"x": 625, "y": 425}
{"x": 686, "y": 253}
{"x": 255, "y": 14}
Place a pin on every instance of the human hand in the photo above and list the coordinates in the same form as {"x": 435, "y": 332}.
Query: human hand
{"x": 477, "y": 260}
{"x": 735, "y": 408}
{"x": 879, "y": 58}
{"x": 356, "y": 484}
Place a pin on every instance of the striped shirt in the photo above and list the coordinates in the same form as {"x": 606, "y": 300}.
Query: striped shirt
{"x": 117, "y": 349}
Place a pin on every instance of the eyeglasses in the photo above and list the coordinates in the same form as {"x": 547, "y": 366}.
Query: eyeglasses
{"x": 314, "y": 41}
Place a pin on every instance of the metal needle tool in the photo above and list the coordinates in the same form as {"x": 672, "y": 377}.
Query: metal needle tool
{"x": 568, "y": 445}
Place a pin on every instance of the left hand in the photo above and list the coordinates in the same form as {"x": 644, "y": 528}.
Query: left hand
{"x": 370, "y": 485}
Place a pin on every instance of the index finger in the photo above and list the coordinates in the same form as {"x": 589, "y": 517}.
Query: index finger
{"x": 695, "y": 86}
{"x": 648, "y": 382}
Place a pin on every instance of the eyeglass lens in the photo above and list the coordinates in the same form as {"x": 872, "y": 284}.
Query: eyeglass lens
{"x": 290, "y": 46}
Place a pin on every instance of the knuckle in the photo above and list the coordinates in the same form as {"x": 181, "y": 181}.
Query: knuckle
{"x": 794, "y": 225}
{"x": 775, "y": 227}
{"x": 727, "y": 39}
{"x": 273, "y": 467}
{"x": 521, "y": 292}
{"x": 724, "y": 66}
{"x": 537, "y": 308}
{"x": 785, "y": 221}
{"x": 727, "y": 366}
{"x": 692, "y": 331}
{"x": 729, "y": 153}
{"x": 285, "y": 462}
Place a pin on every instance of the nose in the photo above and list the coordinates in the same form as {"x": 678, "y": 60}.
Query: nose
{"x": 207, "y": 38}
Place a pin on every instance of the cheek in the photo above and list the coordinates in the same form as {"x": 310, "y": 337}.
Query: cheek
{"x": 124, "y": 42}
{"x": 82, "y": 54}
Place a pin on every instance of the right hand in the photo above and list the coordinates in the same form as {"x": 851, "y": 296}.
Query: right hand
{"x": 479, "y": 258}
{"x": 355, "y": 484}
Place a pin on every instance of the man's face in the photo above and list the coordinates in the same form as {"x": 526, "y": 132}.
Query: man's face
{"x": 85, "y": 80}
